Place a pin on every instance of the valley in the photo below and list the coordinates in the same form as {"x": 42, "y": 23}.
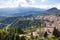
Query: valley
{"x": 42, "y": 25}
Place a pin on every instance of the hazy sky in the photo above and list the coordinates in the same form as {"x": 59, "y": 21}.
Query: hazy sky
{"x": 30, "y": 3}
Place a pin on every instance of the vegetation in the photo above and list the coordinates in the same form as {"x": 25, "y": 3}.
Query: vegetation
{"x": 24, "y": 27}
{"x": 56, "y": 33}
{"x": 16, "y": 33}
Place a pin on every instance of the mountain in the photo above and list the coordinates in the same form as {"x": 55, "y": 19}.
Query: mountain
{"x": 19, "y": 11}
{"x": 49, "y": 12}
{"x": 15, "y": 14}
{"x": 52, "y": 11}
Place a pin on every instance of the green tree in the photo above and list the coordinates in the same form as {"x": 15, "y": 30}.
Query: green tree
{"x": 45, "y": 34}
{"x": 19, "y": 30}
{"x": 22, "y": 38}
{"x": 56, "y": 32}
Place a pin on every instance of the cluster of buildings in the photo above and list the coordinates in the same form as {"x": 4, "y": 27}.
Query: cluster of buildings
{"x": 50, "y": 21}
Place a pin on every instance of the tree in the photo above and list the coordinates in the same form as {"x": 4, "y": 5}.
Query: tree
{"x": 22, "y": 38}
{"x": 19, "y": 30}
{"x": 3, "y": 34}
{"x": 45, "y": 34}
{"x": 32, "y": 35}
{"x": 17, "y": 37}
{"x": 56, "y": 32}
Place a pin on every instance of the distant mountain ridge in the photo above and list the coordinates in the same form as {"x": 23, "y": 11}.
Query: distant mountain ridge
{"x": 18, "y": 11}
{"x": 14, "y": 12}
{"x": 52, "y": 11}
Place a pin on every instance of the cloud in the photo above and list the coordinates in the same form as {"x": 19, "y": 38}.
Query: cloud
{"x": 7, "y": 3}
{"x": 57, "y": 5}
{"x": 38, "y": 6}
{"x": 43, "y": 0}
{"x": 31, "y": 1}
{"x": 43, "y": 6}
{"x": 27, "y": 3}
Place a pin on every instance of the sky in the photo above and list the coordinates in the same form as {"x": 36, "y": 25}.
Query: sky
{"x": 44, "y": 4}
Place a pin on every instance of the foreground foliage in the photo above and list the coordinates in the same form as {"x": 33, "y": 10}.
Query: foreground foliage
{"x": 16, "y": 33}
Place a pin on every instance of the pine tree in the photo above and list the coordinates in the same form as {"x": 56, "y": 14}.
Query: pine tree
{"x": 56, "y": 32}
{"x": 45, "y": 34}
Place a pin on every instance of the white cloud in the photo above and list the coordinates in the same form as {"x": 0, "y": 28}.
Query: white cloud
{"x": 38, "y": 6}
{"x": 57, "y": 6}
{"x": 12, "y": 3}
{"x": 25, "y": 3}
{"x": 31, "y": 1}
{"x": 43, "y": 0}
